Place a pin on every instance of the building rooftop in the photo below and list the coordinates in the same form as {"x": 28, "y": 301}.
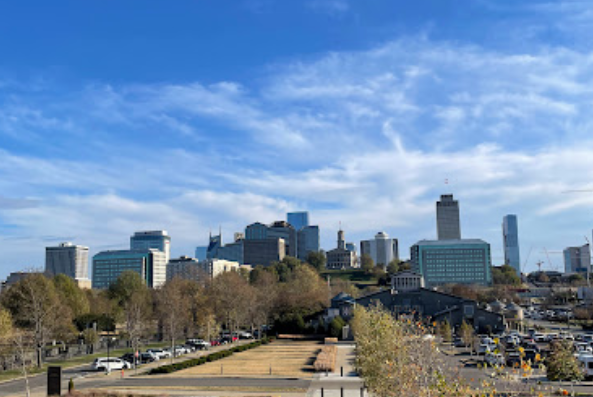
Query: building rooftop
{"x": 452, "y": 242}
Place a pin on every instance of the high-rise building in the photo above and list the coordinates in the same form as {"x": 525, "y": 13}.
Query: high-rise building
{"x": 381, "y": 249}
{"x": 510, "y": 240}
{"x": 263, "y": 252}
{"x": 277, "y": 230}
{"x": 156, "y": 239}
{"x": 231, "y": 252}
{"x": 214, "y": 245}
{"x": 577, "y": 259}
{"x": 448, "y": 227}
{"x": 307, "y": 241}
{"x": 150, "y": 264}
{"x": 69, "y": 259}
{"x": 440, "y": 262}
{"x": 256, "y": 231}
{"x": 298, "y": 220}
{"x": 201, "y": 253}
{"x": 340, "y": 257}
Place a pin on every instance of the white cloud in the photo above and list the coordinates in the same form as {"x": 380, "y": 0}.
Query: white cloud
{"x": 366, "y": 138}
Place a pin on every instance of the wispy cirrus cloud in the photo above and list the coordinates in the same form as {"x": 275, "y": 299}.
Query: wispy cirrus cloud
{"x": 365, "y": 138}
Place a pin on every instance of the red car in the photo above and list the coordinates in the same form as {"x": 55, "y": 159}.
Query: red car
{"x": 214, "y": 342}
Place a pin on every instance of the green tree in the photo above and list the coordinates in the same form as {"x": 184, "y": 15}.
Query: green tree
{"x": 505, "y": 275}
{"x": 335, "y": 327}
{"x": 317, "y": 259}
{"x": 562, "y": 365}
{"x": 367, "y": 264}
{"x": 127, "y": 284}
{"x": 71, "y": 294}
{"x": 467, "y": 333}
{"x": 576, "y": 279}
{"x": 393, "y": 266}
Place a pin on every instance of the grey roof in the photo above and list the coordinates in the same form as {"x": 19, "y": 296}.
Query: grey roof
{"x": 451, "y": 242}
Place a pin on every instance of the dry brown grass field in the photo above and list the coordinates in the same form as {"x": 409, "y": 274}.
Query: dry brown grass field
{"x": 285, "y": 357}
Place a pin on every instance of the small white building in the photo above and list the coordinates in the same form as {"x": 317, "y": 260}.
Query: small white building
{"x": 191, "y": 269}
{"x": 407, "y": 281}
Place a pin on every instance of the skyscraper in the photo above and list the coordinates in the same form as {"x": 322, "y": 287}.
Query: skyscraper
{"x": 577, "y": 259}
{"x": 150, "y": 264}
{"x": 69, "y": 259}
{"x": 298, "y": 220}
{"x": 381, "y": 249}
{"x": 156, "y": 239}
{"x": 448, "y": 218}
{"x": 510, "y": 241}
{"x": 307, "y": 241}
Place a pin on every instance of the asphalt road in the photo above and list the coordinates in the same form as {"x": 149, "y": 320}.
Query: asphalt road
{"x": 40, "y": 381}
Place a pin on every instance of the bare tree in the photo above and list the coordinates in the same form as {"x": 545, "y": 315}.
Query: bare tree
{"x": 173, "y": 310}
{"x": 34, "y": 305}
{"x": 137, "y": 316}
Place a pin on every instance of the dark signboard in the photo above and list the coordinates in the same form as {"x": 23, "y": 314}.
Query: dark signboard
{"x": 54, "y": 381}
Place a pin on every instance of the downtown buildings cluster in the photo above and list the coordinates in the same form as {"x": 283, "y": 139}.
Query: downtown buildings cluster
{"x": 450, "y": 259}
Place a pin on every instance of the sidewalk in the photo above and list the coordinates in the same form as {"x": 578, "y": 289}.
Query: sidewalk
{"x": 343, "y": 382}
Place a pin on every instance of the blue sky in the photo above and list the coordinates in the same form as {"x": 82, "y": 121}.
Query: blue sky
{"x": 123, "y": 116}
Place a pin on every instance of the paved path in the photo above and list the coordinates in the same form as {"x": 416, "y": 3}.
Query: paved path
{"x": 334, "y": 384}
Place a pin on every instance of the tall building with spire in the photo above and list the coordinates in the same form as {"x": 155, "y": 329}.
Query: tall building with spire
{"x": 448, "y": 227}
{"x": 341, "y": 257}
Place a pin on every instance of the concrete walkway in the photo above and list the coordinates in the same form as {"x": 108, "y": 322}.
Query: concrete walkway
{"x": 343, "y": 382}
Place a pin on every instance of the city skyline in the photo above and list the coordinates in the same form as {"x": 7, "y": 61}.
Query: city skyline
{"x": 362, "y": 114}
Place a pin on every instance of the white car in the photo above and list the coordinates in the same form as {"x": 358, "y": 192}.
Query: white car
{"x": 160, "y": 353}
{"x": 539, "y": 337}
{"x": 485, "y": 348}
{"x": 110, "y": 364}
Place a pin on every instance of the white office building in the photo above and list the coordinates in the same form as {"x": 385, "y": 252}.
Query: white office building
{"x": 381, "y": 249}
{"x": 69, "y": 259}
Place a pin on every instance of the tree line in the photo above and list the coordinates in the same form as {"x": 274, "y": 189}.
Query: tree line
{"x": 42, "y": 309}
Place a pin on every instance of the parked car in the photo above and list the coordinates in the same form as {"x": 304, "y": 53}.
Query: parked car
{"x": 493, "y": 359}
{"x": 215, "y": 342}
{"x": 245, "y": 335}
{"x": 147, "y": 357}
{"x": 198, "y": 343}
{"x": 179, "y": 350}
{"x": 513, "y": 359}
{"x": 539, "y": 337}
{"x": 458, "y": 342}
{"x": 129, "y": 358}
{"x": 587, "y": 362}
{"x": 160, "y": 353}
{"x": 484, "y": 348}
{"x": 550, "y": 337}
{"x": 110, "y": 364}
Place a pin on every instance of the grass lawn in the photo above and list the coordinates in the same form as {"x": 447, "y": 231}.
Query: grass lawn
{"x": 74, "y": 361}
{"x": 286, "y": 358}
{"x": 354, "y": 275}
